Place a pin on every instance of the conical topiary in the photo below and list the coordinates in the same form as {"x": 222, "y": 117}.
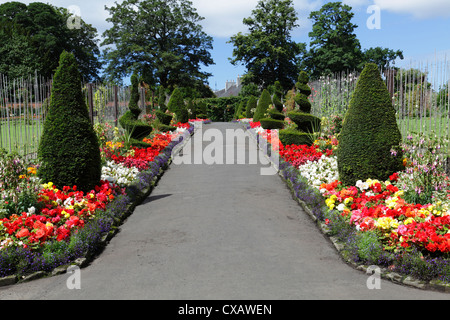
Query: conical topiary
{"x": 69, "y": 152}
{"x": 369, "y": 132}
{"x": 262, "y": 106}
{"x": 177, "y": 106}
{"x": 251, "y": 107}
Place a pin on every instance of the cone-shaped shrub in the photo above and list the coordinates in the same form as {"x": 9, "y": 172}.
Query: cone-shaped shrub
{"x": 69, "y": 152}
{"x": 251, "y": 106}
{"x": 177, "y": 106}
{"x": 369, "y": 132}
{"x": 262, "y": 106}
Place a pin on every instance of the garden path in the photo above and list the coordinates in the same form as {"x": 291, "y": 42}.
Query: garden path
{"x": 217, "y": 232}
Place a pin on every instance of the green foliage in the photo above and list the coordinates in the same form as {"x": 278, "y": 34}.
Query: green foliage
{"x": 201, "y": 110}
{"x": 162, "y": 99}
{"x": 164, "y": 118}
{"x": 222, "y": 109}
{"x": 305, "y": 122}
{"x": 267, "y": 51}
{"x": 134, "y": 127}
{"x": 382, "y": 57}
{"x": 69, "y": 151}
{"x": 137, "y": 129}
{"x": 178, "y": 107}
{"x": 268, "y": 123}
{"x": 292, "y": 136}
{"x": 239, "y": 113}
{"x": 251, "y": 107}
{"x": 263, "y": 105}
{"x": 369, "y": 132}
{"x": 369, "y": 246}
{"x": 32, "y": 37}
{"x": 334, "y": 46}
{"x": 133, "y": 104}
{"x": 169, "y": 46}
{"x": 275, "y": 114}
{"x": 303, "y": 92}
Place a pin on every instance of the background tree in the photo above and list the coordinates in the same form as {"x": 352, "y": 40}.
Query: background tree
{"x": 267, "y": 51}
{"x": 334, "y": 46}
{"x": 383, "y": 57}
{"x": 160, "y": 39}
{"x": 33, "y": 37}
{"x": 69, "y": 152}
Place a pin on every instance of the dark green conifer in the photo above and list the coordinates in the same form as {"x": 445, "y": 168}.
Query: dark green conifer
{"x": 69, "y": 152}
{"x": 369, "y": 132}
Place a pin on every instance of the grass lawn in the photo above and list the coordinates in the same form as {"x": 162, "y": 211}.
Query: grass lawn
{"x": 20, "y": 136}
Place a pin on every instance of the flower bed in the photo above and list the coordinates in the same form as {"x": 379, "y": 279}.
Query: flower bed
{"x": 373, "y": 221}
{"x": 65, "y": 225}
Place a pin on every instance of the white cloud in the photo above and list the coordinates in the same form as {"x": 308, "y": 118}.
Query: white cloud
{"x": 418, "y": 8}
{"x": 224, "y": 18}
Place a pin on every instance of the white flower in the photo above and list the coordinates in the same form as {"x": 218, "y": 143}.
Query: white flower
{"x": 31, "y": 211}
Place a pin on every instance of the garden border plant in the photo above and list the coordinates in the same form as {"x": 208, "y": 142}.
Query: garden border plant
{"x": 356, "y": 249}
{"x": 21, "y": 265}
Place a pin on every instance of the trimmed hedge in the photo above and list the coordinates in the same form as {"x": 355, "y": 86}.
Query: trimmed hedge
{"x": 136, "y": 128}
{"x": 276, "y": 115}
{"x": 369, "y": 132}
{"x": 305, "y": 122}
{"x": 268, "y": 123}
{"x": 69, "y": 151}
{"x": 164, "y": 118}
{"x": 251, "y": 105}
{"x": 177, "y": 106}
{"x": 290, "y": 136}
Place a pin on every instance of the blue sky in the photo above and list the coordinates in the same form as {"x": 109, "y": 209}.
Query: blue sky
{"x": 419, "y": 28}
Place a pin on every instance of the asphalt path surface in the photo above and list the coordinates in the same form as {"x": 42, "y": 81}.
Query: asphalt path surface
{"x": 220, "y": 232}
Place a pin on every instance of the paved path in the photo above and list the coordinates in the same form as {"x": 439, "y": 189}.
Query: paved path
{"x": 217, "y": 232}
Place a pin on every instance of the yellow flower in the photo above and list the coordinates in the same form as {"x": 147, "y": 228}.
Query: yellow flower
{"x": 65, "y": 214}
{"x": 31, "y": 170}
{"x": 330, "y": 203}
{"x": 408, "y": 221}
{"x": 386, "y": 223}
{"x": 348, "y": 200}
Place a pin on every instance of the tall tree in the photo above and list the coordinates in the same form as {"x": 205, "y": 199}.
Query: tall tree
{"x": 334, "y": 46}
{"x": 160, "y": 39}
{"x": 383, "y": 57}
{"x": 267, "y": 51}
{"x": 33, "y": 37}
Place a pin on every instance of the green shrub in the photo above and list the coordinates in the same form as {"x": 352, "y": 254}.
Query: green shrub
{"x": 369, "y": 246}
{"x": 268, "y": 123}
{"x": 290, "y": 136}
{"x": 262, "y": 106}
{"x": 162, "y": 99}
{"x": 69, "y": 151}
{"x": 275, "y": 114}
{"x": 164, "y": 118}
{"x": 251, "y": 106}
{"x": 369, "y": 132}
{"x": 177, "y": 106}
{"x": 305, "y": 122}
{"x": 276, "y": 99}
{"x": 166, "y": 128}
{"x": 201, "y": 110}
{"x": 303, "y": 92}
{"x": 136, "y": 128}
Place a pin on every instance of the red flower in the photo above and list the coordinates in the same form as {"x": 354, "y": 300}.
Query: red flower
{"x": 23, "y": 233}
